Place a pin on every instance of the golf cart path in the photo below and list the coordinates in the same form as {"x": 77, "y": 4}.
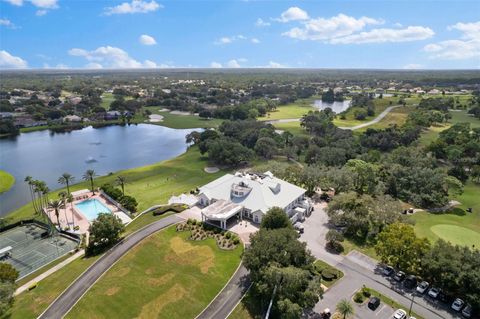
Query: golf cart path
{"x": 62, "y": 305}
{"x": 352, "y": 128}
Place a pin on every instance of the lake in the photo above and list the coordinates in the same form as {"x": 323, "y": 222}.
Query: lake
{"x": 45, "y": 155}
{"x": 337, "y": 107}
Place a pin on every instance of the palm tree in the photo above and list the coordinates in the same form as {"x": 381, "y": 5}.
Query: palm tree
{"x": 121, "y": 181}
{"x": 66, "y": 179}
{"x": 70, "y": 200}
{"x": 345, "y": 308}
{"x": 29, "y": 181}
{"x": 89, "y": 176}
{"x": 56, "y": 205}
{"x": 63, "y": 199}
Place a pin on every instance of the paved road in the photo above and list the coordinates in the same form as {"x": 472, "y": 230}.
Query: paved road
{"x": 361, "y": 270}
{"x": 62, "y": 305}
{"x": 228, "y": 298}
{"x": 352, "y": 128}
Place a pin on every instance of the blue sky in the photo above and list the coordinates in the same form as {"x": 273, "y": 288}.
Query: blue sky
{"x": 307, "y": 34}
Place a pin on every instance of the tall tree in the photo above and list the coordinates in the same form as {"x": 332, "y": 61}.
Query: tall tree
{"x": 90, "y": 175}
{"x": 121, "y": 181}
{"x": 275, "y": 218}
{"x": 56, "y": 205}
{"x": 66, "y": 179}
{"x": 398, "y": 246}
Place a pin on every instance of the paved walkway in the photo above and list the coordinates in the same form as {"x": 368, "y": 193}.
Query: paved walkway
{"x": 62, "y": 305}
{"x": 229, "y": 297}
{"x": 352, "y": 128}
{"x": 48, "y": 272}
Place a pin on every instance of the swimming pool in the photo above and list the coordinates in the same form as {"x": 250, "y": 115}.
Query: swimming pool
{"x": 92, "y": 207}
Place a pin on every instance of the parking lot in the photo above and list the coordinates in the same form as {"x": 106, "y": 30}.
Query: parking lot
{"x": 382, "y": 312}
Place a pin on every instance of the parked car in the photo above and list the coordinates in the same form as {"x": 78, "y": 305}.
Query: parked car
{"x": 410, "y": 282}
{"x": 467, "y": 311}
{"x": 400, "y": 314}
{"x": 422, "y": 287}
{"x": 388, "y": 271}
{"x": 412, "y": 318}
{"x": 457, "y": 305}
{"x": 399, "y": 276}
{"x": 373, "y": 303}
{"x": 299, "y": 227}
{"x": 434, "y": 292}
{"x": 443, "y": 297}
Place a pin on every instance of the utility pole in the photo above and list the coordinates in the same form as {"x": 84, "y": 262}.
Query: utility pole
{"x": 411, "y": 304}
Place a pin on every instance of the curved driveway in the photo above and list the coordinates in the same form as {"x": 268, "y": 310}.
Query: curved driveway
{"x": 62, "y": 305}
{"x": 352, "y": 128}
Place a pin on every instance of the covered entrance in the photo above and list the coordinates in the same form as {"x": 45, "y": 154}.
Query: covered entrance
{"x": 220, "y": 212}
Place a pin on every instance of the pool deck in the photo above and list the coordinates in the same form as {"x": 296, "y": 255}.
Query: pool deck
{"x": 70, "y": 216}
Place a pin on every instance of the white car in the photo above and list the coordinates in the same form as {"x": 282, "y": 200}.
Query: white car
{"x": 457, "y": 305}
{"x": 434, "y": 292}
{"x": 422, "y": 287}
{"x": 400, "y": 314}
{"x": 412, "y": 318}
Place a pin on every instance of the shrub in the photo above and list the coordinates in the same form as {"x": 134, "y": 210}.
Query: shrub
{"x": 228, "y": 235}
{"x": 129, "y": 202}
{"x": 334, "y": 235}
{"x": 335, "y": 246}
{"x": 236, "y": 241}
{"x": 33, "y": 286}
{"x": 358, "y": 297}
{"x": 329, "y": 274}
{"x": 366, "y": 292}
{"x": 111, "y": 191}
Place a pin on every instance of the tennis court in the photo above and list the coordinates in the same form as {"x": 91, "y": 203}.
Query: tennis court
{"x": 30, "y": 251}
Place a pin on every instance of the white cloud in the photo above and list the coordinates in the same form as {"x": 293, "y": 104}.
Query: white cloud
{"x": 467, "y": 47}
{"x": 93, "y": 66}
{"x": 293, "y": 14}
{"x": 41, "y": 12}
{"x": 413, "y": 66}
{"x": 233, "y": 64}
{"x": 215, "y": 65}
{"x": 147, "y": 40}
{"x": 110, "y": 57}
{"x": 46, "y": 4}
{"x": 136, "y": 6}
{"x": 234, "y": 38}
{"x": 411, "y": 33}
{"x": 273, "y": 64}
{"x": 15, "y": 2}
{"x": 7, "y": 23}
{"x": 261, "y": 23}
{"x": 340, "y": 25}
{"x": 8, "y": 61}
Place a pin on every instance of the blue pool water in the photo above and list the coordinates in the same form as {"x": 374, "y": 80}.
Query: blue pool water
{"x": 92, "y": 207}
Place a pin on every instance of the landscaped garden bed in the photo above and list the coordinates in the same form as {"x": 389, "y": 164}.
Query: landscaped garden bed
{"x": 330, "y": 275}
{"x": 177, "y": 208}
{"x": 201, "y": 231}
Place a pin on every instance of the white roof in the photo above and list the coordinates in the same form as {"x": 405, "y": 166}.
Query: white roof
{"x": 221, "y": 210}
{"x": 261, "y": 191}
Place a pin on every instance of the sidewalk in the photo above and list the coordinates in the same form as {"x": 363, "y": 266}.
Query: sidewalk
{"x": 48, "y": 272}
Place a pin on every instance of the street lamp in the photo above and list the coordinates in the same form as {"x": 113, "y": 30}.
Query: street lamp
{"x": 411, "y": 304}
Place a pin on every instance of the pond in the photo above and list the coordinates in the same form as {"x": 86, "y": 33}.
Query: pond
{"x": 45, "y": 155}
{"x": 337, "y": 107}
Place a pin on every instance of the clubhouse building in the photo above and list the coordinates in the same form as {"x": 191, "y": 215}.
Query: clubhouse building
{"x": 249, "y": 196}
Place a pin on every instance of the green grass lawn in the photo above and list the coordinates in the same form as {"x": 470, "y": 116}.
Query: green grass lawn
{"x": 396, "y": 116}
{"x": 431, "y": 134}
{"x": 244, "y": 310}
{"x": 183, "y": 121}
{"x": 32, "y": 303}
{"x": 150, "y": 185}
{"x": 292, "y": 127}
{"x": 321, "y": 266}
{"x": 6, "y": 181}
{"x": 166, "y": 276}
{"x": 107, "y": 99}
{"x": 290, "y": 111}
{"x": 379, "y": 104}
{"x": 456, "y": 226}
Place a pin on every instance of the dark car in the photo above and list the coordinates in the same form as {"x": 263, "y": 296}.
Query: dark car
{"x": 443, "y": 297}
{"x": 399, "y": 276}
{"x": 410, "y": 282}
{"x": 388, "y": 271}
{"x": 467, "y": 311}
{"x": 373, "y": 303}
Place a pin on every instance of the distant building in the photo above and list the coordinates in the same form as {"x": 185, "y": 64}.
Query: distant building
{"x": 112, "y": 115}
{"x": 72, "y": 118}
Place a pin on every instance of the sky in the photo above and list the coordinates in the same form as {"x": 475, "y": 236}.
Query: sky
{"x": 95, "y": 34}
